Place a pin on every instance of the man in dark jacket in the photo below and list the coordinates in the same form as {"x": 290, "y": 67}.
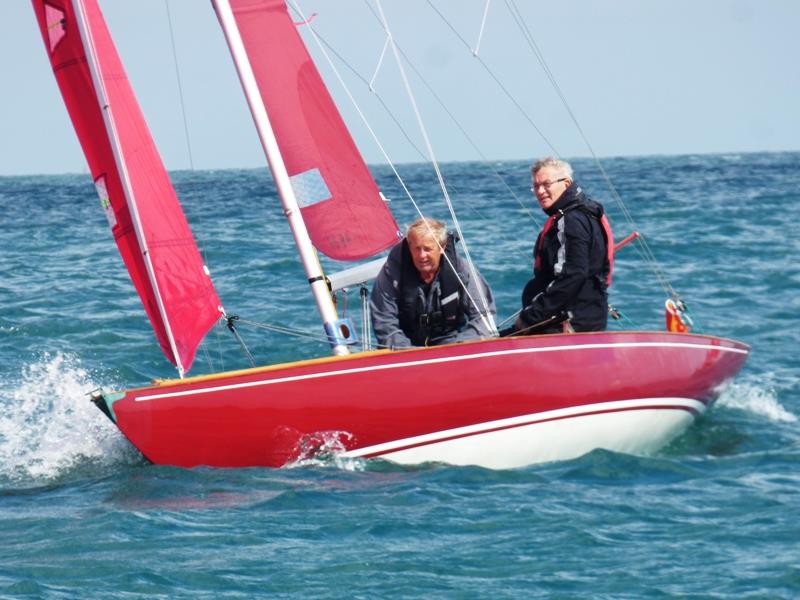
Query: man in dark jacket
{"x": 425, "y": 295}
{"x": 572, "y": 263}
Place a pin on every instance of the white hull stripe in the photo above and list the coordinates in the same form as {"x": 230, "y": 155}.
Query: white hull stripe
{"x": 430, "y": 361}
{"x": 686, "y": 404}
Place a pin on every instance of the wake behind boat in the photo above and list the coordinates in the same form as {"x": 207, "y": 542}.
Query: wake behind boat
{"x": 499, "y": 403}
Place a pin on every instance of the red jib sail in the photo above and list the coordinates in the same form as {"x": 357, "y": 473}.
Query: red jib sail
{"x": 171, "y": 279}
{"x": 346, "y": 217}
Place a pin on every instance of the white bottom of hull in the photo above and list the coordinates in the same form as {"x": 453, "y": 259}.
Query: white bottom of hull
{"x": 631, "y": 426}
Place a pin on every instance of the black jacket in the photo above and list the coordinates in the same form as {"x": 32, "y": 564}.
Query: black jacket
{"x": 570, "y": 266}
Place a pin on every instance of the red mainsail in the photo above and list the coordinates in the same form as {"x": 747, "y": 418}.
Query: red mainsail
{"x": 346, "y": 217}
{"x": 162, "y": 258}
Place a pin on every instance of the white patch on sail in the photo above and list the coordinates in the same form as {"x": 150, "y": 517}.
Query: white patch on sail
{"x": 105, "y": 202}
{"x": 310, "y": 188}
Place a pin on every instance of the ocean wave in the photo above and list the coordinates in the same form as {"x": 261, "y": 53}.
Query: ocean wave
{"x": 757, "y": 397}
{"x": 49, "y": 429}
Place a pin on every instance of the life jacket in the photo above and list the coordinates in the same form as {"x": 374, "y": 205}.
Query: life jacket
{"x": 605, "y": 226}
{"x": 419, "y": 324}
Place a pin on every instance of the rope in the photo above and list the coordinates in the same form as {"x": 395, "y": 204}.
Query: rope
{"x": 180, "y": 87}
{"x": 649, "y": 257}
{"x": 291, "y": 331}
{"x": 380, "y": 62}
{"x": 232, "y": 327}
{"x": 285, "y": 330}
{"x": 622, "y": 318}
{"x": 369, "y": 86}
{"x": 366, "y": 321}
{"x": 469, "y": 139}
{"x": 485, "y": 317}
{"x": 483, "y": 26}
{"x": 643, "y": 248}
{"x": 484, "y": 159}
{"x": 489, "y": 323}
{"x": 204, "y": 344}
{"x": 496, "y": 80}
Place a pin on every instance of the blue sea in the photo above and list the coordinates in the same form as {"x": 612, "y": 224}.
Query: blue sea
{"x": 714, "y": 515}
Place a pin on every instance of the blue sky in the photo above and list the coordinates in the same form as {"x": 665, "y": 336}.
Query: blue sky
{"x": 641, "y": 77}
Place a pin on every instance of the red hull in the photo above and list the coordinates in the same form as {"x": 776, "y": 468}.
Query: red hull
{"x": 409, "y": 405}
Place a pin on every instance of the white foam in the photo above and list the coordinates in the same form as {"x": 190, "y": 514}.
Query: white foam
{"x": 759, "y": 398}
{"x": 325, "y": 448}
{"x": 48, "y": 425}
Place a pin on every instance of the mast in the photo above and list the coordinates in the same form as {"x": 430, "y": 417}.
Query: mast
{"x": 108, "y": 119}
{"x": 291, "y": 208}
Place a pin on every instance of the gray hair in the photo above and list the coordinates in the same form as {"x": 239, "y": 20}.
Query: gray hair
{"x": 424, "y": 227}
{"x": 562, "y": 167}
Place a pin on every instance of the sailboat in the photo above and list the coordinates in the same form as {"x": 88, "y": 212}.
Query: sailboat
{"x": 498, "y": 403}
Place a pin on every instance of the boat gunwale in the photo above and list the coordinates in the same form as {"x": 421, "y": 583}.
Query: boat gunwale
{"x": 728, "y": 343}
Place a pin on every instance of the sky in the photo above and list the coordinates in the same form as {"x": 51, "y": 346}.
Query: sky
{"x": 639, "y": 77}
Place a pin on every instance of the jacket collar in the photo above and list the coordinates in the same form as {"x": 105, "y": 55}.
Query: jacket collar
{"x": 572, "y": 195}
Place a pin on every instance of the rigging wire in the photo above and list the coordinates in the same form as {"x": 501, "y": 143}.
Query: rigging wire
{"x": 457, "y": 123}
{"x": 357, "y": 107}
{"x": 499, "y": 83}
{"x": 487, "y": 319}
{"x": 487, "y": 163}
{"x": 285, "y": 330}
{"x": 649, "y": 257}
{"x": 484, "y": 312}
{"x": 180, "y": 87}
{"x": 293, "y": 332}
{"x": 369, "y": 86}
{"x": 187, "y": 138}
{"x": 378, "y": 66}
{"x": 469, "y": 139}
{"x": 643, "y": 248}
{"x": 483, "y": 26}
{"x": 513, "y": 9}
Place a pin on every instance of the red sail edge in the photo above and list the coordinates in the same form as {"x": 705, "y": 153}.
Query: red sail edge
{"x": 346, "y": 217}
{"x": 190, "y": 302}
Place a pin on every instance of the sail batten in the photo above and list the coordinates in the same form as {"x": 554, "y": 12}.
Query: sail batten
{"x": 343, "y": 210}
{"x": 138, "y": 199}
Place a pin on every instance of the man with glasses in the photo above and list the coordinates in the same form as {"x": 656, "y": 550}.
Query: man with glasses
{"x": 573, "y": 257}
